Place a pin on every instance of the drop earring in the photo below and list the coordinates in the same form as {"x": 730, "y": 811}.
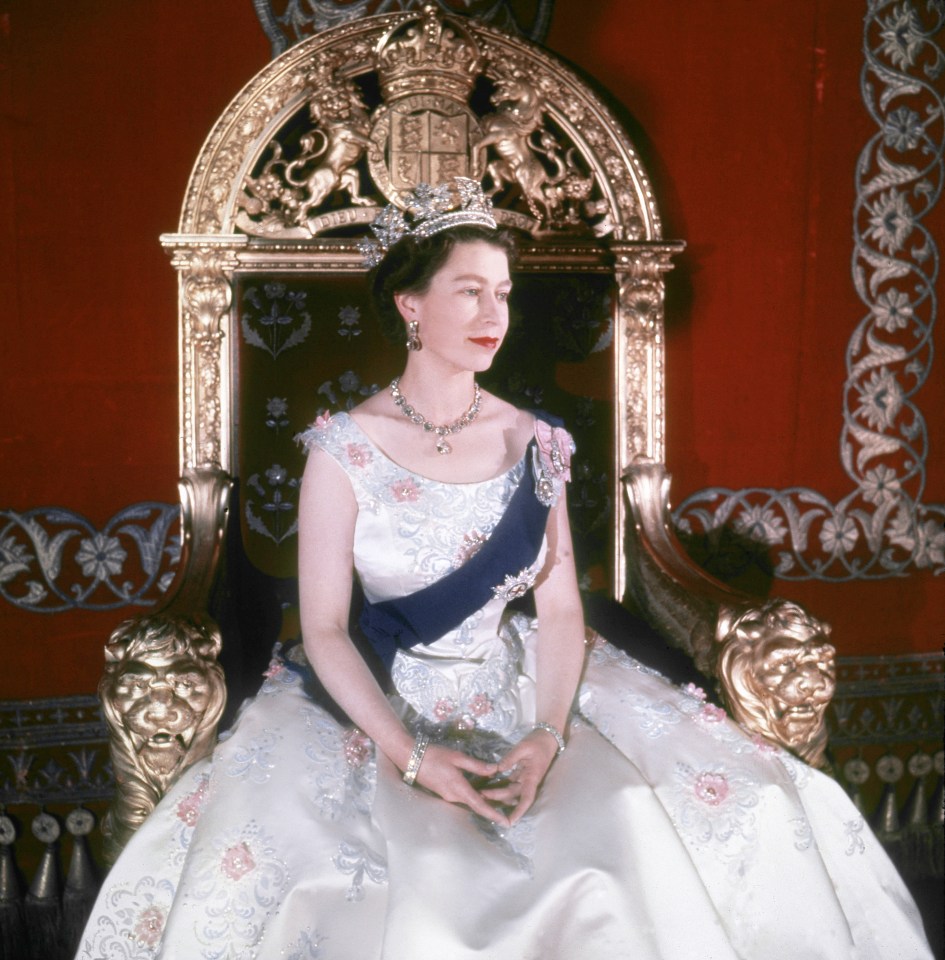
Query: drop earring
{"x": 413, "y": 337}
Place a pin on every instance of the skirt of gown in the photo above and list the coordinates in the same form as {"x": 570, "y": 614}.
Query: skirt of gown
{"x": 663, "y": 832}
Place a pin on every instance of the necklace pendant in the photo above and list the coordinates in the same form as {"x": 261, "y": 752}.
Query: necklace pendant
{"x": 443, "y": 446}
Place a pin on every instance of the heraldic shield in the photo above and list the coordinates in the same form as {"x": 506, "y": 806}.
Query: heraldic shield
{"x": 423, "y": 139}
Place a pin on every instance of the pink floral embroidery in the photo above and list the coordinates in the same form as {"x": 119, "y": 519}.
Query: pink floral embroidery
{"x": 237, "y": 861}
{"x": 405, "y": 491}
{"x": 694, "y": 691}
{"x": 554, "y": 449}
{"x": 358, "y": 455}
{"x": 149, "y": 926}
{"x": 188, "y": 810}
{"x": 273, "y": 670}
{"x": 480, "y": 705}
{"x": 472, "y": 544}
{"x": 712, "y": 714}
{"x": 323, "y": 420}
{"x": 357, "y": 747}
{"x": 711, "y": 788}
{"x": 765, "y": 746}
{"x": 444, "y": 709}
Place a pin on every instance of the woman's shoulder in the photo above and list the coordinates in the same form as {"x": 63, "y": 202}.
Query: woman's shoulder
{"x": 328, "y": 432}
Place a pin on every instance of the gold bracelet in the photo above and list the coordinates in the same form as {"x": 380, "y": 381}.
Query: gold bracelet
{"x": 548, "y": 728}
{"x": 416, "y": 758}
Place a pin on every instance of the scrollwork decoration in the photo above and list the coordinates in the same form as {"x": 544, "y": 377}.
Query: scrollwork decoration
{"x": 394, "y": 97}
{"x": 640, "y": 297}
{"x": 286, "y": 191}
{"x": 882, "y": 528}
{"x": 52, "y": 559}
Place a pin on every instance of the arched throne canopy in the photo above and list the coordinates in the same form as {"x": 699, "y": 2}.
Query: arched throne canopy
{"x": 352, "y": 119}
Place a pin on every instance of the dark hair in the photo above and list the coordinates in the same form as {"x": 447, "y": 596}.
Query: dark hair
{"x": 410, "y": 265}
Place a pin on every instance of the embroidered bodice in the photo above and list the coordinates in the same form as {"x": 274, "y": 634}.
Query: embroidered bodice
{"x": 410, "y": 532}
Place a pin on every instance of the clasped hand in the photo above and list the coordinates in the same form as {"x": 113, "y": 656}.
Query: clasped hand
{"x": 501, "y": 792}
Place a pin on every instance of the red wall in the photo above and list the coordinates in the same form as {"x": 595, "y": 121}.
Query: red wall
{"x": 753, "y": 122}
{"x": 105, "y": 105}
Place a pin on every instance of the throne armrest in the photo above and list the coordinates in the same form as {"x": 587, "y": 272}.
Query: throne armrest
{"x": 772, "y": 661}
{"x": 163, "y": 691}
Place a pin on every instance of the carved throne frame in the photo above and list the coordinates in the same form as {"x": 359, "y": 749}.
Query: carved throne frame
{"x": 290, "y": 176}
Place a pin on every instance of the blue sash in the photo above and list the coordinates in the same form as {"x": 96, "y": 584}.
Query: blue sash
{"x": 430, "y": 613}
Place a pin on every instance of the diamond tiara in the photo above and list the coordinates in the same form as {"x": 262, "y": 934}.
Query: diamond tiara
{"x": 431, "y": 210}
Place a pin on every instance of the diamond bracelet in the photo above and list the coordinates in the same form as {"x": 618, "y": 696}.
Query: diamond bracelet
{"x": 548, "y": 728}
{"x": 416, "y": 758}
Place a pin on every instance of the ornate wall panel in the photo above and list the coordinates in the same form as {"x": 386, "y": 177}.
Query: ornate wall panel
{"x": 53, "y": 559}
{"x": 882, "y": 528}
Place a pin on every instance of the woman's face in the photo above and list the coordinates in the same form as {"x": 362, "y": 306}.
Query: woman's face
{"x": 464, "y": 313}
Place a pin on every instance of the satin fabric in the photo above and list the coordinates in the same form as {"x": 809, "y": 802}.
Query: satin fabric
{"x": 663, "y": 832}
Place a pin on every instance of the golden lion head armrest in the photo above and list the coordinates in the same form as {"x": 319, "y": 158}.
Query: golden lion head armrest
{"x": 777, "y": 669}
{"x": 162, "y": 696}
{"x": 772, "y": 661}
{"x": 163, "y": 690}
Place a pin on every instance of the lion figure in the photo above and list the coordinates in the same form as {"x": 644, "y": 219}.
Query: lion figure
{"x": 778, "y": 672}
{"x": 162, "y": 696}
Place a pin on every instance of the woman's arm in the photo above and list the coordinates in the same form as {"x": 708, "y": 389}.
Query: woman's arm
{"x": 327, "y": 514}
{"x": 560, "y": 624}
{"x": 559, "y": 666}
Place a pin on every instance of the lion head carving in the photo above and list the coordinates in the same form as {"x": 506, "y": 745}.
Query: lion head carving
{"x": 162, "y": 696}
{"x": 777, "y": 668}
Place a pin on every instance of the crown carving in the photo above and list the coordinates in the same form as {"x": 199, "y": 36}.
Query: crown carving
{"x": 426, "y": 54}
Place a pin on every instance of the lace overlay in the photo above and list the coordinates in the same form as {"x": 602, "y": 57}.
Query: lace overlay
{"x": 408, "y": 535}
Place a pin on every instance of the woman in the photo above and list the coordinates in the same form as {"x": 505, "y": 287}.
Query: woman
{"x": 515, "y": 795}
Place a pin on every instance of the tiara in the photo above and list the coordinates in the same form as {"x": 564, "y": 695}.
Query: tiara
{"x": 431, "y": 210}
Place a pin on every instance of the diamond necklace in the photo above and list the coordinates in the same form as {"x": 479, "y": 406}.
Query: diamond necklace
{"x": 442, "y": 432}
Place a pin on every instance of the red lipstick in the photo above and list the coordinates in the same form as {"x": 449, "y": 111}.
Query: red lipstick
{"x": 489, "y": 342}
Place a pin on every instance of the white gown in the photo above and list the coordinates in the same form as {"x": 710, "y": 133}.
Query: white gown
{"x": 663, "y": 832}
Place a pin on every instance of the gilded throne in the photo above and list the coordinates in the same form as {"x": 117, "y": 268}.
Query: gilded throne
{"x": 273, "y": 330}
